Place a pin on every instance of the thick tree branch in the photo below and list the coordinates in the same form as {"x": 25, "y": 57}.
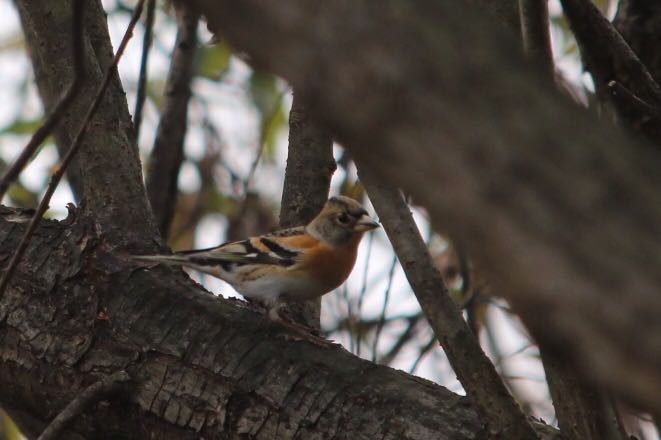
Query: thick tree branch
{"x": 59, "y": 109}
{"x": 75, "y": 309}
{"x": 506, "y": 12}
{"x": 557, "y": 206}
{"x": 583, "y": 413}
{"x": 114, "y": 193}
{"x": 535, "y": 33}
{"x": 310, "y": 166}
{"x": 66, "y": 160}
{"x": 168, "y": 151}
{"x": 475, "y": 372}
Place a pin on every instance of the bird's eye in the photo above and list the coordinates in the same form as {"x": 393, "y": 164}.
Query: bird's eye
{"x": 343, "y": 218}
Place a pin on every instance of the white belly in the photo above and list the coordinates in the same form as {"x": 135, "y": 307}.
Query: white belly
{"x": 270, "y": 290}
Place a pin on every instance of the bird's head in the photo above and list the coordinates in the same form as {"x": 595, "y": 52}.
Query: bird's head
{"x": 341, "y": 220}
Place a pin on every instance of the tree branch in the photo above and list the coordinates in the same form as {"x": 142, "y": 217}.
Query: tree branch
{"x": 582, "y": 412}
{"x": 228, "y": 373}
{"x": 110, "y": 167}
{"x": 503, "y": 417}
{"x": 168, "y": 151}
{"x": 556, "y": 206}
{"x": 310, "y": 167}
{"x": 535, "y": 33}
{"x": 608, "y": 57}
{"x": 57, "y": 176}
{"x": 58, "y": 111}
{"x": 141, "y": 94}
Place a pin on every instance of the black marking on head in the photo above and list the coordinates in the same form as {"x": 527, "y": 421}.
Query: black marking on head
{"x": 277, "y": 249}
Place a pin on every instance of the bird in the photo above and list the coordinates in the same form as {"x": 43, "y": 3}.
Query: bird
{"x": 293, "y": 264}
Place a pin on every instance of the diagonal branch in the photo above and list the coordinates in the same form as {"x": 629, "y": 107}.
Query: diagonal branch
{"x": 475, "y": 372}
{"x": 168, "y": 151}
{"x": 141, "y": 94}
{"x": 62, "y": 105}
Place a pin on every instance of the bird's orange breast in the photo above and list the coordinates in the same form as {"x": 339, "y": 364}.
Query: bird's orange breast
{"x": 328, "y": 265}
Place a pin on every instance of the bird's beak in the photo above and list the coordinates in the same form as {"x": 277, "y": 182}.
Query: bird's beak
{"x": 365, "y": 224}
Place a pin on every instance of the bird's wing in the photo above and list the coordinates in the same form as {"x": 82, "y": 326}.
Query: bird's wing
{"x": 279, "y": 248}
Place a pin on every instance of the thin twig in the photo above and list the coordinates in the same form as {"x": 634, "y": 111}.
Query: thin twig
{"x": 60, "y": 108}
{"x": 382, "y": 316}
{"x": 57, "y": 176}
{"x": 403, "y": 339}
{"x": 260, "y": 151}
{"x": 104, "y": 388}
{"x": 363, "y": 290}
{"x": 626, "y": 96}
{"x": 142, "y": 77}
{"x": 423, "y": 351}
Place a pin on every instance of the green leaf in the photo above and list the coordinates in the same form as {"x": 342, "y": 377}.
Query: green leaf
{"x": 213, "y": 61}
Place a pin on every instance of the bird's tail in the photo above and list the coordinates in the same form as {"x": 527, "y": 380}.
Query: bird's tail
{"x": 194, "y": 258}
{"x": 166, "y": 259}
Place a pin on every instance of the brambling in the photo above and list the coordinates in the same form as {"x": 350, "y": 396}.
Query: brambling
{"x": 294, "y": 264}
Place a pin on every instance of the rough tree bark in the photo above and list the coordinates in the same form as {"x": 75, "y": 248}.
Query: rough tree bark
{"x": 556, "y": 205}
{"x": 77, "y": 312}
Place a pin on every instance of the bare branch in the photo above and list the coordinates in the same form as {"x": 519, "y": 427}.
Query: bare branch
{"x": 582, "y": 412}
{"x": 102, "y": 389}
{"x": 310, "y": 166}
{"x": 535, "y": 32}
{"x": 144, "y": 60}
{"x": 60, "y": 108}
{"x": 477, "y": 375}
{"x": 168, "y": 151}
{"x": 57, "y": 176}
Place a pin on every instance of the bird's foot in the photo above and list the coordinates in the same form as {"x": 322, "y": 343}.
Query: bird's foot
{"x": 301, "y": 332}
